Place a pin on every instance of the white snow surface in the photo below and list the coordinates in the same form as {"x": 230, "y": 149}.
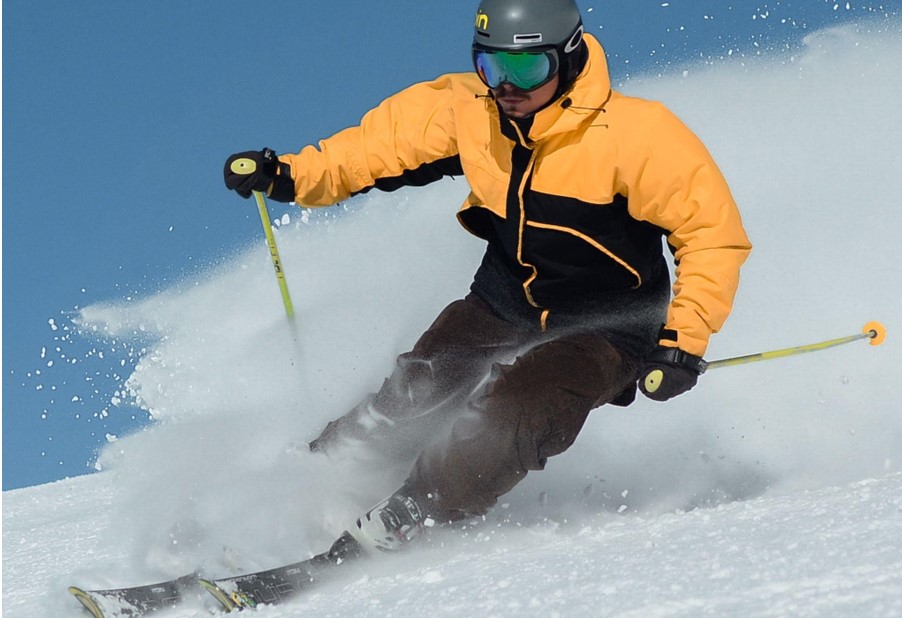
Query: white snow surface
{"x": 772, "y": 489}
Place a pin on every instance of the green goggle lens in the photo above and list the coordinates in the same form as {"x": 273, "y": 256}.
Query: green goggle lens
{"x": 522, "y": 70}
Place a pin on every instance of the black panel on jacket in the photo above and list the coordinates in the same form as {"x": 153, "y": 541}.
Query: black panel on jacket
{"x": 421, "y": 176}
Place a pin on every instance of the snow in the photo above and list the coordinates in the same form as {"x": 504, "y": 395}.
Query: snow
{"x": 832, "y": 551}
{"x": 772, "y": 489}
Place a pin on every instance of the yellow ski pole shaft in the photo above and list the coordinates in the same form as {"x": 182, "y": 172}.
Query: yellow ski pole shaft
{"x": 875, "y": 331}
{"x": 274, "y": 252}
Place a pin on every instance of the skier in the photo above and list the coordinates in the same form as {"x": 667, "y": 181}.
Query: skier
{"x": 573, "y": 185}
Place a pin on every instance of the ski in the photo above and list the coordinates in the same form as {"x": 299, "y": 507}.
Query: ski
{"x": 136, "y": 600}
{"x": 274, "y": 586}
{"x": 237, "y": 592}
{"x": 264, "y": 587}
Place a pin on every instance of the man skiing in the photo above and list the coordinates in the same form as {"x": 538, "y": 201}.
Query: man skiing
{"x": 573, "y": 185}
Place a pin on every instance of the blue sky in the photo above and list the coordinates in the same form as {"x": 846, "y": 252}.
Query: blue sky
{"x": 118, "y": 117}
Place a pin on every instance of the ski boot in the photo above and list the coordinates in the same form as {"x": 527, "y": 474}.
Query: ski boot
{"x": 392, "y": 524}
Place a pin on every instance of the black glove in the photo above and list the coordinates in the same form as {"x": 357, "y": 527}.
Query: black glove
{"x": 668, "y": 372}
{"x": 250, "y": 171}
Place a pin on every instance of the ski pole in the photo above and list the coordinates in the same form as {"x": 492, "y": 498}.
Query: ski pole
{"x": 875, "y": 331}
{"x": 274, "y": 252}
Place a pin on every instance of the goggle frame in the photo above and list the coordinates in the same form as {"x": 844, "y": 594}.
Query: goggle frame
{"x": 505, "y": 64}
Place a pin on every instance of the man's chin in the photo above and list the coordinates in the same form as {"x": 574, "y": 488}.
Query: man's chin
{"x": 512, "y": 110}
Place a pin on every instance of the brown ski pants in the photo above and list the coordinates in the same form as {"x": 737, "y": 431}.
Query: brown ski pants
{"x": 479, "y": 402}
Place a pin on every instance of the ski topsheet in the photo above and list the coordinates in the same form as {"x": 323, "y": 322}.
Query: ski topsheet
{"x": 136, "y": 600}
{"x": 267, "y": 587}
{"x": 276, "y": 585}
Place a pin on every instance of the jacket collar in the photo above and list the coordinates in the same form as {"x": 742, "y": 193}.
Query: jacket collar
{"x": 588, "y": 96}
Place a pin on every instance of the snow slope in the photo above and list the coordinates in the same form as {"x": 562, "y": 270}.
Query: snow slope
{"x": 770, "y": 490}
{"x": 832, "y": 551}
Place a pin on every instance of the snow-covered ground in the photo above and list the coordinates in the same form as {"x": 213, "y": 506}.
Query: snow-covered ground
{"x": 833, "y": 551}
{"x": 772, "y": 489}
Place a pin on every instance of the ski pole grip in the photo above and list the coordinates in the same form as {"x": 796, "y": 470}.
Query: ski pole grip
{"x": 243, "y": 166}
{"x": 653, "y": 380}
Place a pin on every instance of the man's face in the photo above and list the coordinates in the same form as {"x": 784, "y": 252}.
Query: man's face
{"x": 518, "y": 103}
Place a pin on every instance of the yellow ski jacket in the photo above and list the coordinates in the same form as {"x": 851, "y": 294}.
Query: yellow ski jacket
{"x": 576, "y": 201}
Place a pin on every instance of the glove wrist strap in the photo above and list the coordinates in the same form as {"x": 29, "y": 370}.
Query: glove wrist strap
{"x": 679, "y": 358}
{"x": 282, "y": 187}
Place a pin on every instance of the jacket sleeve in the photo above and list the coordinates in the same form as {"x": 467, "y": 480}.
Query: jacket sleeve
{"x": 406, "y": 131}
{"x": 675, "y": 184}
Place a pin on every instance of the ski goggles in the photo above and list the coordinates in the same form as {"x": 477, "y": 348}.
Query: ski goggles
{"x": 522, "y": 70}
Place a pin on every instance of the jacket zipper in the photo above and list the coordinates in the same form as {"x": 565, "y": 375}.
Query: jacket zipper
{"x": 527, "y": 174}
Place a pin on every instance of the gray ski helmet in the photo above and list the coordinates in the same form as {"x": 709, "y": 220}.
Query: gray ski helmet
{"x": 518, "y": 25}
{"x": 524, "y": 25}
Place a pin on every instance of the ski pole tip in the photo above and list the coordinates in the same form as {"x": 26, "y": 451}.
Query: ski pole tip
{"x": 875, "y": 331}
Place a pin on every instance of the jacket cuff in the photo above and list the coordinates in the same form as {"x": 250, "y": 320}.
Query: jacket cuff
{"x": 671, "y": 338}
